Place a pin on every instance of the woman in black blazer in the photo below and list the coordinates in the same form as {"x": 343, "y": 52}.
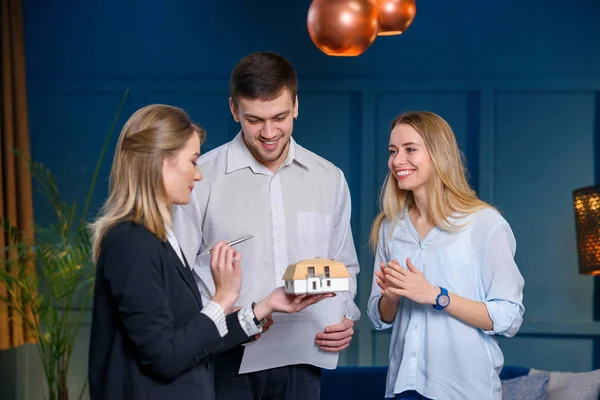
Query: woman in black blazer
{"x": 152, "y": 335}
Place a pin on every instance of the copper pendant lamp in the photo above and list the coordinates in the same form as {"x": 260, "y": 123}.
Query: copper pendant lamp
{"x": 586, "y": 203}
{"x": 395, "y": 16}
{"x": 343, "y": 27}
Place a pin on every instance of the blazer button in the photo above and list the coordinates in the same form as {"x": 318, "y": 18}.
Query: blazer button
{"x": 209, "y": 365}
{"x": 197, "y": 358}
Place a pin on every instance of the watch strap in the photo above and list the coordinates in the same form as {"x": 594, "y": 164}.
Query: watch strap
{"x": 437, "y": 305}
{"x": 256, "y": 321}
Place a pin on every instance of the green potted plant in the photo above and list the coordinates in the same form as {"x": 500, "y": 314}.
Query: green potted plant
{"x": 61, "y": 288}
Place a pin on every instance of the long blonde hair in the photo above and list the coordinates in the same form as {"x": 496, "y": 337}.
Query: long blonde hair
{"x": 136, "y": 190}
{"x": 448, "y": 190}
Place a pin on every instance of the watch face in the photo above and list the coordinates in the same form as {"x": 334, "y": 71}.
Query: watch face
{"x": 443, "y": 300}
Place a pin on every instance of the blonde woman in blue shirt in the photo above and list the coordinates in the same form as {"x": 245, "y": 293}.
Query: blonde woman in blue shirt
{"x": 445, "y": 278}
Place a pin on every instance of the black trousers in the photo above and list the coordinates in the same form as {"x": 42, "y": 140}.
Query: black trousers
{"x": 293, "y": 382}
{"x": 410, "y": 395}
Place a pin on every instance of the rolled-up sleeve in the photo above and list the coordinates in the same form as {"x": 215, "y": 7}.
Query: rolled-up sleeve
{"x": 373, "y": 304}
{"x": 502, "y": 282}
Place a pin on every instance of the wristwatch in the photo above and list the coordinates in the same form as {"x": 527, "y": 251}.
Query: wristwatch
{"x": 256, "y": 321}
{"x": 442, "y": 300}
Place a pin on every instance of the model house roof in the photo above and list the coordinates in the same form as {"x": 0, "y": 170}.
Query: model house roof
{"x": 300, "y": 269}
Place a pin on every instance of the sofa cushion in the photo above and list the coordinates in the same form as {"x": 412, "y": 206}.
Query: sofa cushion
{"x": 528, "y": 387}
{"x": 572, "y": 385}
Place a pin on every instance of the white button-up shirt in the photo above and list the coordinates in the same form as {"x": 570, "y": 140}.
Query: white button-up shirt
{"x": 301, "y": 211}
{"x": 431, "y": 351}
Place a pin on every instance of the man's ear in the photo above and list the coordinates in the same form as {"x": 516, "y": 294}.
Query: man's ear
{"x": 296, "y": 108}
{"x": 233, "y": 110}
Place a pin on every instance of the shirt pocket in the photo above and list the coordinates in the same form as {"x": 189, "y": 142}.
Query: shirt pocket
{"x": 314, "y": 232}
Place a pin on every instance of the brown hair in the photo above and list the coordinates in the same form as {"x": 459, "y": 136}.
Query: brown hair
{"x": 262, "y": 76}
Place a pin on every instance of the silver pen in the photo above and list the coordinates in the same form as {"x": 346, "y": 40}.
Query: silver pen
{"x": 234, "y": 242}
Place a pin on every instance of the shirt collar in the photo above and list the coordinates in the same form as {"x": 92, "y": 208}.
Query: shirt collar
{"x": 239, "y": 157}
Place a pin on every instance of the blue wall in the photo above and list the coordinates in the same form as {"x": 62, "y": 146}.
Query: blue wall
{"x": 518, "y": 81}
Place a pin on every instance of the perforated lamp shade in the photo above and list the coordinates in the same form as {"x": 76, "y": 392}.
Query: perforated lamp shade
{"x": 586, "y": 202}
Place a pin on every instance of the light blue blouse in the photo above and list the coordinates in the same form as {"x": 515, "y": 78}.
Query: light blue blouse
{"x": 431, "y": 351}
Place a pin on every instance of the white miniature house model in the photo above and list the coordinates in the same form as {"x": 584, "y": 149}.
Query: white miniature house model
{"x": 317, "y": 275}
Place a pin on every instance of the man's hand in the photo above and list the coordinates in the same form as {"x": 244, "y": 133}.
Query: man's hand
{"x": 336, "y": 337}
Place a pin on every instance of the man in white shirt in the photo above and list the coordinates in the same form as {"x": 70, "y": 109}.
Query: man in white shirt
{"x": 297, "y": 206}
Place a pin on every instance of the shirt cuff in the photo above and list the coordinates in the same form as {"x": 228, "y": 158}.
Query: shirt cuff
{"x": 375, "y": 316}
{"x": 505, "y": 316}
{"x": 246, "y": 318}
{"x": 352, "y": 310}
{"x": 215, "y": 312}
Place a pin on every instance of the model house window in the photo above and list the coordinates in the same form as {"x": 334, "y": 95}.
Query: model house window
{"x": 328, "y": 282}
{"x": 327, "y": 272}
{"x": 314, "y": 285}
{"x": 311, "y": 272}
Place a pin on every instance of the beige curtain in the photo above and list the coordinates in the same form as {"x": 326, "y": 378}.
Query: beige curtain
{"x": 15, "y": 178}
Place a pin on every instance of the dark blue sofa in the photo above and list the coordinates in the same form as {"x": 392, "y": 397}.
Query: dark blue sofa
{"x": 367, "y": 383}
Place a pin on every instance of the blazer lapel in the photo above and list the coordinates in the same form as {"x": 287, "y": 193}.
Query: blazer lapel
{"x": 185, "y": 272}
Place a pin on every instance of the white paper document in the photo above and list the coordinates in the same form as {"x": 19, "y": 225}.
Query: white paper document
{"x": 291, "y": 339}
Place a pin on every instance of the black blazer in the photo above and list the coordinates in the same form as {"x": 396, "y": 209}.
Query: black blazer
{"x": 149, "y": 339}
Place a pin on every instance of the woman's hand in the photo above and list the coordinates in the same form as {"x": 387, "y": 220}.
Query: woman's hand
{"x": 226, "y": 271}
{"x": 385, "y": 285}
{"x": 389, "y": 301}
{"x": 280, "y": 301}
{"x": 410, "y": 283}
